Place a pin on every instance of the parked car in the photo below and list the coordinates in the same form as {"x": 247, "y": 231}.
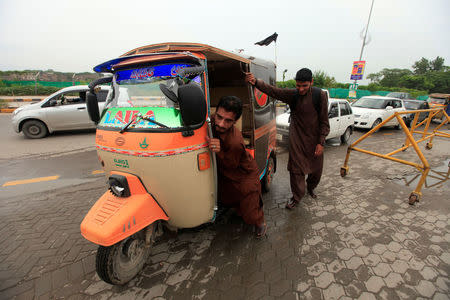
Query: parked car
{"x": 340, "y": 117}
{"x": 415, "y": 105}
{"x": 400, "y": 95}
{"x": 62, "y": 110}
{"x": 372, "y": 110}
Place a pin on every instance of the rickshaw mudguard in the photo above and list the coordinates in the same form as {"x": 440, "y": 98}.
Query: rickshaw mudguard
{"x": 113, "y": 218}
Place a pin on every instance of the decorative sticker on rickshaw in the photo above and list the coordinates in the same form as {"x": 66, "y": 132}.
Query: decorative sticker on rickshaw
{"x": 150, "y": 153}
{"x": 120, "y": 116}
{"x": 261, "y": 98}
{"x": 122, "y": 163}
{"x": 143, "y": 74}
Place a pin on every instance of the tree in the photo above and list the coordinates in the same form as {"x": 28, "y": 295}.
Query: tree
{"x": 437, "y": 64}
{"x": 374, "y": 77}
{"x": 391, "y": 77}
{"x": 421, "y": 66}
{"x": 321, "y": 79}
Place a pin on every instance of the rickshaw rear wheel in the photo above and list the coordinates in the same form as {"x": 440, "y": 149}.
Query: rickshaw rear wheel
{"x": 121, "y": 262}
{"x": 267, "y": 179}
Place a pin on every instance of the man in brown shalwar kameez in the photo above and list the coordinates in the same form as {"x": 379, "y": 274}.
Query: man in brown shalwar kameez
{"x": 307, "y": 132}
{"x": 238, "y": 177}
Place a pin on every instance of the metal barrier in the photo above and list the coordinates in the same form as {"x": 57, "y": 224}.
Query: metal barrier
{"x": 424, "y": 168}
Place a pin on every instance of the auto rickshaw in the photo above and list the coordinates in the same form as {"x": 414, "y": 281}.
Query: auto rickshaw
{"x": 153, "y": 148}
{"x": 439, "y": 100}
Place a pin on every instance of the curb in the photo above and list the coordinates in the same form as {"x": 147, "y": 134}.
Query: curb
{"x": 7, "y": 110}
{"x": 20, "y": 100}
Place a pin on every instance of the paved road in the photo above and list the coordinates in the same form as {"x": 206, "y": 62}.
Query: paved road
{"x": 359, "y": 239}
{"x": 17, "y": 146}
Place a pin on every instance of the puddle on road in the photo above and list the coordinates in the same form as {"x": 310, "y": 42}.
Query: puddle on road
{"x": 437, "y": 177}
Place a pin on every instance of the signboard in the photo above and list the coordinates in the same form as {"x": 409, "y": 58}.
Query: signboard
{"x": 353, "y": 86}
{"x": 352, "y": 90}
{"x": 358, "y": 70}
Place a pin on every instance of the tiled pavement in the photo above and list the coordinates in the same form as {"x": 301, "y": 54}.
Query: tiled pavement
{"x": 359, "y": 240}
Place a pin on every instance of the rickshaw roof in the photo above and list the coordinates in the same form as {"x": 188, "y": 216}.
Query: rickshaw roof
{"x": 440, "y": 95}
{"x": 175, "y": 49}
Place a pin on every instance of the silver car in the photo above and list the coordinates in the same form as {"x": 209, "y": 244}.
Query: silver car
{"x": 63, "y": 110}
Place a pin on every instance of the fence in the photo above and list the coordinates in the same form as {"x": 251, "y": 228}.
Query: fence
{"x": 426, "y": 134}
{"x": 60, "y": 84}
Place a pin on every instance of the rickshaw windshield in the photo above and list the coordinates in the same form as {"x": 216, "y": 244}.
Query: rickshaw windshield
{"x": 138, "y": 90}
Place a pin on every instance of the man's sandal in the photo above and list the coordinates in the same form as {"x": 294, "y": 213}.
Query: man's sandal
{"x": 291, "y": 203}
{"x": 311, "y": 193}
{"x": 261, "y": 230}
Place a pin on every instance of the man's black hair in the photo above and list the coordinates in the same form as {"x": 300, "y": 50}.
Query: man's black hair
{"x": 231, "y": 103}
{"x": 304, "y": 74}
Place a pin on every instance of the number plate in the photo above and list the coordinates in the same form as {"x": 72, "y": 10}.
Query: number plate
{"x": 279, "y": 136}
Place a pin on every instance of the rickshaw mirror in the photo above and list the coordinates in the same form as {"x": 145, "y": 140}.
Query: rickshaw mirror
{"x": 92, "y": 107}
{"x": 192, "y": 104}
{"x": 169, "y": 90}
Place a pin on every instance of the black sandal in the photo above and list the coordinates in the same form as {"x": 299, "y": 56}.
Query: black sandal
{"x": 311, "y": 193}
{"x": 291, "y": 203}
{"x": 261, "y": 230}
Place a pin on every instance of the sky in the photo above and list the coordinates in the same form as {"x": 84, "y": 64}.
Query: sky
{"x": 76, "y": 35}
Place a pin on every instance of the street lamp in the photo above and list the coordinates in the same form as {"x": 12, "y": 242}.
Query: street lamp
{"x": 365, "y": 42}
{"x": 284, "y": 72}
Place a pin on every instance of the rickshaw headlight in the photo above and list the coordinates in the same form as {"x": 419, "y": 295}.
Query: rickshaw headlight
{"x": 118, "y": 185}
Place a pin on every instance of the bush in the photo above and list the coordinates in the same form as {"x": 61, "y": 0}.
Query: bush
{"x": 27, "y": 90}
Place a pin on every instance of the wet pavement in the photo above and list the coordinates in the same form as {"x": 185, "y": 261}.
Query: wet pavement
{"x": 358, "y": 240}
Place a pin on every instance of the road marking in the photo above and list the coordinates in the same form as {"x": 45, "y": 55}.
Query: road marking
{"x": 32, "y": 180}
{"x": 98, "y": 172}
{"x": 387, "y": 133}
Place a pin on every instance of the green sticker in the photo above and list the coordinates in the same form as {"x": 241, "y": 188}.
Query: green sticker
{"x": 120, "y": 116}
{"x": 122, "y": 163}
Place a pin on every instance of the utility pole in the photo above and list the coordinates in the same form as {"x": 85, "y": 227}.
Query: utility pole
{"x": 35, "y": 82}
{"x": 364, "y": 40}
{"x": 73, "y": 78}
{"x": 365, "y": 34}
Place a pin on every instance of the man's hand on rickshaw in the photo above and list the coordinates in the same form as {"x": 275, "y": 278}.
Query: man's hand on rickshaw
{"x": 214, "y": 144}
{"x": 250, "y": 78}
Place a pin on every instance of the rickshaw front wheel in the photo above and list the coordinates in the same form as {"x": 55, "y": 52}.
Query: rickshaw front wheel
{"x": 121, "y": 262}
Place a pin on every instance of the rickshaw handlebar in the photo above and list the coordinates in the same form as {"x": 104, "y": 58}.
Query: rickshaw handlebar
{"x": 191, "y": 71}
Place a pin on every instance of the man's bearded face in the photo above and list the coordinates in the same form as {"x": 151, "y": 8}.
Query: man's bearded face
{"x": 224, "y": 120}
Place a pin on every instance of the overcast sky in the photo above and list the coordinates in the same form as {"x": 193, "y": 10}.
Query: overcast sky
{"x": 76, "y": 35}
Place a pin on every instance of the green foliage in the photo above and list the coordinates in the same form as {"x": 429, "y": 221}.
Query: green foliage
{"x": 421, "y": 66}
{"x": 322, "y": 80}
{"x": 27, "y": 90}
{"x": 437, "y": 64}
{"x": 290, "y": 84}
{"x": 428, "y": 76}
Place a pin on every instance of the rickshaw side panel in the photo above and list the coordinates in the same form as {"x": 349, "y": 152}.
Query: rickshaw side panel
{"x": 264, "y": 115}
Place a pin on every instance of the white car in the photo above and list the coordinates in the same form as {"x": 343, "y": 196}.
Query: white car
{"x": 372, "y": 110}
{"x": 62, "y": 110}
{"x": 340, "y": 116}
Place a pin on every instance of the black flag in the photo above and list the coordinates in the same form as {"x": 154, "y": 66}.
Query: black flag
{"x": 268, "y": 40}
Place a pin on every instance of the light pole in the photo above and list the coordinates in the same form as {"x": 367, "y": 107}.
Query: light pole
{"x": 284, "y": 72}
{"x": 365, "y": 36}
{"x": 35, "y": 82}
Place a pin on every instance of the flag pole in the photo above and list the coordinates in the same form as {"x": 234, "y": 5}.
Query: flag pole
{"x": 275, "y": 53}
